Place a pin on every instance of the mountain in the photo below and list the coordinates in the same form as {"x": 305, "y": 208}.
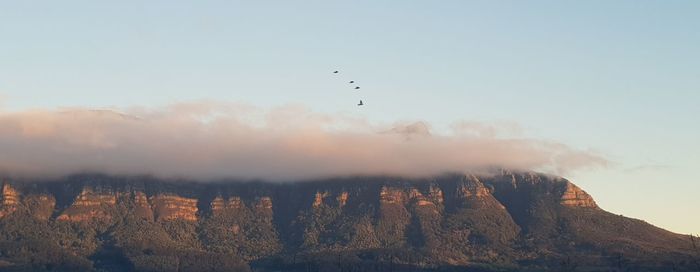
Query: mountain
{"x": 508, "y": 221}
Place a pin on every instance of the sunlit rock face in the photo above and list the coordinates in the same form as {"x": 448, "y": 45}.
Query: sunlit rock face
{"x": 10, "y": 200}
{"x": 263, "y": 204}
{"x": 318, "y": 198}
{"x": 471, "y": 192}
{"x": 168, "y": 207}
{"x": 343, "y": 198}
{"x": 418, "y": 198}
{"x": 231, "y": 206}
{"x": 90, "y": 205}
{"x": 234, "y": 203}
{"x": 331, "y": 199}
{"x": 573, "y": 196}
{"x": 217, "y": 206}
{"x": 472, "y": 188}
{"x": 390, "y": 195}
{"x": 429, "y": 200}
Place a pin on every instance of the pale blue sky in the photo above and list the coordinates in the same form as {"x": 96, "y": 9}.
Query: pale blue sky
{"x": 618, "y": 77}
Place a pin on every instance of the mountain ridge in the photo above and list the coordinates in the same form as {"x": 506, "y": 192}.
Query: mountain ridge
{"x": 505, "y": 221}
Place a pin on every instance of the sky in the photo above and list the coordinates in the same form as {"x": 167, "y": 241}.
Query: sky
{"x": 618, "y": 79}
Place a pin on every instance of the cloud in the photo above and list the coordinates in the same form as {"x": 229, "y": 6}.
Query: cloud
{"x": 209, "y": 140}
{"x": 410, "y": 130}
{"x": 480, "y": 129}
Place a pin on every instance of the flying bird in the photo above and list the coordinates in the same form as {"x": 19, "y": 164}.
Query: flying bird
{"x": 356, "y": 87}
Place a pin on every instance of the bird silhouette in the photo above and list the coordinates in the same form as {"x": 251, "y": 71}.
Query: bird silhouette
{"x": 360, "y": 103}
{"x": 335, "y": 72}
{"x": 357, "y": 88}
{"x": 351, "y": 81}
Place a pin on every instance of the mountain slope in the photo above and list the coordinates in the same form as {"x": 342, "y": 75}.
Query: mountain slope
{"x": 506, "y": 221}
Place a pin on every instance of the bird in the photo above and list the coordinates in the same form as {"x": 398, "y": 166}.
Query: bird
{"x": 351, "y": 81}
{"x": 335, "y": 72}
{"x": 357, "y": 88}
{"x": 360, "y": 103}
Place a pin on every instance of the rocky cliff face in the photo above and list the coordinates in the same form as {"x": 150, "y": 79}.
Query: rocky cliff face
{"x": 455, "y": 220}
{"x": 90, "y": 205}
{"x": 167, "y": 207}
{"x": 10, "y": 200}
{"x": 573, "y": 196}
{"x": 232, "y": 206}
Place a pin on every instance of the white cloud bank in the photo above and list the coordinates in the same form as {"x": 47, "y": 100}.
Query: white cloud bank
{"x": 214, "y": 140}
